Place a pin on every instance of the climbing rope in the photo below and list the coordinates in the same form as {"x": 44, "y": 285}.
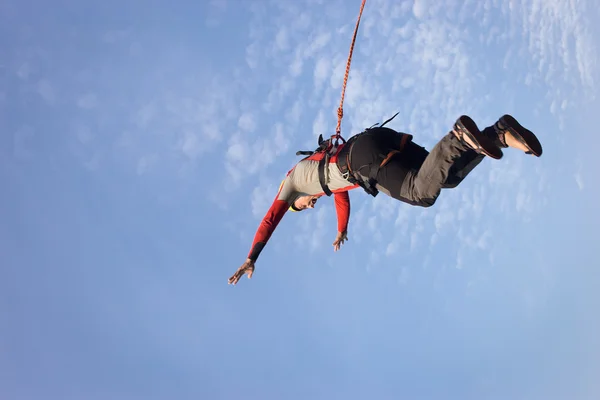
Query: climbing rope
{"x": 340, "y": 111}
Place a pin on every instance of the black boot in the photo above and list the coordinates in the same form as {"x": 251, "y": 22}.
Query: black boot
{"x": 466, "y": 130}
{"x": 524, "y": 139}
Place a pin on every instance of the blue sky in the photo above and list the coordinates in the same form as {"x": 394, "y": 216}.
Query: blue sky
{"x": 142, "y": 142}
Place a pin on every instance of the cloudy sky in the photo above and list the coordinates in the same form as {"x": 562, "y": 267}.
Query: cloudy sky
{"x": 141, "y": 142}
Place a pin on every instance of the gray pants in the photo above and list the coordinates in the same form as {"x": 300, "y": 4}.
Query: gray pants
{"x": 446, "y": 166}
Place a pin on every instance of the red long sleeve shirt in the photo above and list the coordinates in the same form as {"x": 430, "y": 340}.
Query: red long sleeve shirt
{"x": 303, "y": 180}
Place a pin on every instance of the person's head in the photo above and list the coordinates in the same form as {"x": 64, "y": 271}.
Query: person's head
{"x": 304, "y": 202}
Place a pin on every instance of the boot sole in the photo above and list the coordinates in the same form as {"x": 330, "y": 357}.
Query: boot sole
{"x": 522, "y": 134}
{"x": 483, "y": 144}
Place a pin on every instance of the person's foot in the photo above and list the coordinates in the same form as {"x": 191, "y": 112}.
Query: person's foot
{"x": 466, "y": 130}
{"x": 512, "y": 134}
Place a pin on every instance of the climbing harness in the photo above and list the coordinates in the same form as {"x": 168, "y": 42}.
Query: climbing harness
{"x": 343, "y": 153}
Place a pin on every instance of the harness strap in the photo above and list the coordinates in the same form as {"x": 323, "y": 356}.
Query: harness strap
{"x": 389, "y": 119}
{"x": 384, "y": 123}
{"x": 405, "y": 138}
{"x": 322, "y": 165}
{"x": 354, "y": 177}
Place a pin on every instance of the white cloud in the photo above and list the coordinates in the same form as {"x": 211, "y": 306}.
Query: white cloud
{"x": 283, "y": 87}
{"x": 358, "y": 217}
{"x": 262, "y": 198}
{"x": 237, "y": 150}
{"x": 248, "y": 156}
{"x": 234, "y": 175}
{"x": 297, "y": 64}
{"x": 560, "y": 43}
{"x": 579, "y": 181}
{"x": 282, "y": 39}
{"x": 281, "y": 140}
{"x": 190, "y": 145}
{"x": 386, "y": 206}
{"x": 484, "y": 240}
{"x": 523, "y": 200}
{"x": 460, "y": 264}
{"x": 420, "y": 8}
{"x": 247, "y": 122}
{"x": 322, "y": 71}
{"x": 315, "y": 226}
{"x": 433, "y": 241}
{"x": 372, "y": 223}
{"x": 252, "y": 55}
{"x": 187, "y": 122}
{"x": 319, "y": 126}
{"x": 294, "y": 113}
{"x": 578, "y": 176}
{"x": 444, "y": 217}
{"x": 414, "y": 240}
{"x": 320, "y": 40}
{"x": 403, "y": 216}
{"x": 392, "y": 248}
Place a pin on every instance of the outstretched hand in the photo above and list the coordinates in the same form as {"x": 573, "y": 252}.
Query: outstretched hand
{"x": 246, "y": 268}
{"x": 339, "y": 240}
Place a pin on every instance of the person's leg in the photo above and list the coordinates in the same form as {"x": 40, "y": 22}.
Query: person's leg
{"x": 423, "y": 186}
{"x": 448, "y": 163}
{"x": 462, "y": 166}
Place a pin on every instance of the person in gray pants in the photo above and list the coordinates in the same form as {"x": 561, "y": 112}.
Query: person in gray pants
{"x": 381, "y": 159}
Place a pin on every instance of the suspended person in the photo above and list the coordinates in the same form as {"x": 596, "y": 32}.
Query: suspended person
{"x": 380, "y": 159}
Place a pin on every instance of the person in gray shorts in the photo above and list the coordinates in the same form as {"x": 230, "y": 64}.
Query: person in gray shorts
{"x": 381, "y": 159}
